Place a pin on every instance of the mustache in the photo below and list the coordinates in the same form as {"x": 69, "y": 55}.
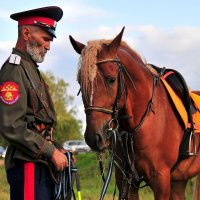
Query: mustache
{"x": 36, "y": 45}
{"x": 44, "y": 51}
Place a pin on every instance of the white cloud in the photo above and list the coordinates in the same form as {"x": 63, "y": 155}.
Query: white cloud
{"x": 75, "y": 10}
{"x": 178, "y": 48}
{"x": 5, "y": 50}
{"x": 5, "y": 46}
{"x": 79, "y": 12}
{"x": 4, "y": 15}
{"x": 81, "y": 115}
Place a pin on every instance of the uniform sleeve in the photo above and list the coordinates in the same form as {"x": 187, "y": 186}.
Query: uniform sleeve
{"x": 58, "y": 145}
{"x": 13, "y": 109}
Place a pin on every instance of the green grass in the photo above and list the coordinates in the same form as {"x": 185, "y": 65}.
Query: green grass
{"x": 4, "y": 188}
{"x": 91, "y": 182}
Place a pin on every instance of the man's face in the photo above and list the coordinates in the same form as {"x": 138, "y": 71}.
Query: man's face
{"x": 38, "y": 44}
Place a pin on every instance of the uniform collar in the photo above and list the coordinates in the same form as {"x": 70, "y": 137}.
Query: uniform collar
{"x": 25, "y": 56}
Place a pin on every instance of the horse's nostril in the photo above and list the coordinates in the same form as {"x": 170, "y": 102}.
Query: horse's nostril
{"x": 94, "y": 139}
{"x": 99, "y": 141}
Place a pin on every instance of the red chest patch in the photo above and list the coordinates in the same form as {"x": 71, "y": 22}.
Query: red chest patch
{"x": 9, "y": 92}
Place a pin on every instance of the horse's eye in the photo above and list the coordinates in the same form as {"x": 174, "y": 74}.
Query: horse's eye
{"x": 111, "y": 80}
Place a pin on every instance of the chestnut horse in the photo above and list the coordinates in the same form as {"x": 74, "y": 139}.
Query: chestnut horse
{"x": 141, "y": 108}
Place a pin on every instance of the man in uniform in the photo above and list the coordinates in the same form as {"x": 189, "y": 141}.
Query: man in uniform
{"x": 27, "y": 112}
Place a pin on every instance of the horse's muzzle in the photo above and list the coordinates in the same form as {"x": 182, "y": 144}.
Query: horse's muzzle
{"x": 96, "y": 141}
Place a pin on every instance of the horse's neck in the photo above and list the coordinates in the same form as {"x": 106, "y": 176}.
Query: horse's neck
{"x": 135, "y": 66}
{"x": 138, "y": 97}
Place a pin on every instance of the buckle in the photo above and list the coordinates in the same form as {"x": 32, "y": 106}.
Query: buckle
{"x": 192, "y": 151}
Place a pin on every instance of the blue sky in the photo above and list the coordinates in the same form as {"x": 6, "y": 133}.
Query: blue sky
{"x": 165, "y": 33}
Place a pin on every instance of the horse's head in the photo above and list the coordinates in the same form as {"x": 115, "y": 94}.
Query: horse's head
{"x": 99, "y": 76}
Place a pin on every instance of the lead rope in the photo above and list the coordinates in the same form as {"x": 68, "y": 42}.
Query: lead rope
{"x": 63, "y": 190}
{"x": 110, "y": 168}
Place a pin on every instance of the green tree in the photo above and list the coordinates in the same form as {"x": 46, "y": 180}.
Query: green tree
{"x": 68, "y": 127}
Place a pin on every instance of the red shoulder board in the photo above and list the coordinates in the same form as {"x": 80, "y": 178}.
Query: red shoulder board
{"x": 9, "y": 92}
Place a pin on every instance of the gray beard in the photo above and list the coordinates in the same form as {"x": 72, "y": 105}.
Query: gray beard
{"x": 33, "y": 50}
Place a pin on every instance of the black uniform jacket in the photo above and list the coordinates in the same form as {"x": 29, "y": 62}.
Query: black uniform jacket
{"x": 21, "y": 110}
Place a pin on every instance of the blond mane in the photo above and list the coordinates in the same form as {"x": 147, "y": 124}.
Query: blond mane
{"x": 87, "y": 70}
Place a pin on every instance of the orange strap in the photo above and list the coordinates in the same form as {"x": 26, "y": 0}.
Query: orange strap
{"x": 196, "y": 99}
{"x": 177, "y": 102}
{"x": 167, "y": 74}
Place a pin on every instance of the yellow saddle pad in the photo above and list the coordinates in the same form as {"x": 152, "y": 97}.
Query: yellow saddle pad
{"x": 196, "y": 115}
{"x": 181, "y": 108}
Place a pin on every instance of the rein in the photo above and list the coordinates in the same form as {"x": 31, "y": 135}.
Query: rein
{"x": 64, "y": 187}
{"x": 110, "y": 168}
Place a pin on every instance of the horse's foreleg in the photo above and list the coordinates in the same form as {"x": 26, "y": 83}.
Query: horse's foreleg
{"x": 126, "y": 191}
{"x": 131, "y": 193}
{"x": 177, "y": 191}
{"x": 160, "y": 184}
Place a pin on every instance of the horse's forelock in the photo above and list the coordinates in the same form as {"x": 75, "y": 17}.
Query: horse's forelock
{"x": 87, "y": 66}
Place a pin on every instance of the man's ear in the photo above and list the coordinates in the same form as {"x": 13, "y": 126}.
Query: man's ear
{"x": 25, "y": 33}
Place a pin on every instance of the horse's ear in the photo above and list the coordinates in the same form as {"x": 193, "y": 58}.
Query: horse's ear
{"x": 113, "y": 46}
{"x": 76, "y": 45}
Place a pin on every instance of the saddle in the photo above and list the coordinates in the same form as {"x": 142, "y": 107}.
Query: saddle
{"x": 187, "y": 104}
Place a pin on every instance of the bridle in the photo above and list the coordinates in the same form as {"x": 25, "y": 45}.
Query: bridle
{"x": 120, "y": 89}
{"x": 114, "y": 133}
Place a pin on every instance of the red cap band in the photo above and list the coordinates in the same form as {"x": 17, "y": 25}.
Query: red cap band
{"x": 34, "y": 20}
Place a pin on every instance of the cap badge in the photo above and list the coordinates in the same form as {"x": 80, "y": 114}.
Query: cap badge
{"x": 55, "y": 24}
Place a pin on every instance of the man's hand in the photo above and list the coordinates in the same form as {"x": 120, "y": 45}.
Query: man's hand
{"x": 73, "y": 157}
{"x": 59, "y": 160}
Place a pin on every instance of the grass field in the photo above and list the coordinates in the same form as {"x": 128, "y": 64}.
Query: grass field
{"x": 91, "y": 183}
